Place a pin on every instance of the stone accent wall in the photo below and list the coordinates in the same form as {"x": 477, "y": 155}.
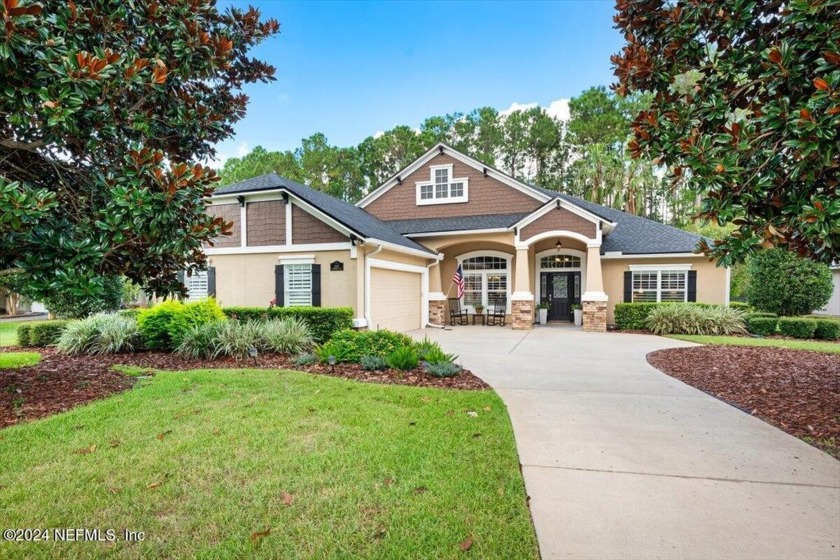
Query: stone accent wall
{"x": 266, "y": 223}
{"x": 595, "y": 316}
{"x": 230, "y": 213}
{"x": 522, "y": 315}
{"x": 306, "y": 228}
{"x": 437, "y": 312}
{"x": 485, "y": 196}
{"x": 558, "y": 219}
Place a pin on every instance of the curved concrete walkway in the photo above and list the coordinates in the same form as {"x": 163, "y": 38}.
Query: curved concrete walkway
{"x": 623, "y": 461}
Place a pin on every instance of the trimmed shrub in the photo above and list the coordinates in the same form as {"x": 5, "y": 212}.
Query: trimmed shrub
{"x": 66, "y": 304}
{"x": 285, "y": 336}
{"x": 784, "y": 283}
{"x": 827, "y": 329}
{"x": 104, "y": 333}
{"x": 762, "y": 326}
{"x": 305, "y": 359}
{"x": 752, "y": 314}
{"x": 443, "y": 369}
{"x": 163, "y": 326}
{"x": 740, "y": 305}
{"x": 340, "y": 351}
{"x": 323, "y": 322}
{"x": 631, "y": 316}
{"x": 404, "y": 358}
{"x": 797, "y": 327}
{"x": 371, "y": 343}
{"x": 41, "y": 333}
{"x": 692, "y": 319}
{"x": 373, "y": 363}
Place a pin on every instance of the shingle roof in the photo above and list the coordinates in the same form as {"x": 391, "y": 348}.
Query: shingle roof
{"x": 635, "y": 235}
{"x": 458, "y": 223}
{"x": 350, "y": 216}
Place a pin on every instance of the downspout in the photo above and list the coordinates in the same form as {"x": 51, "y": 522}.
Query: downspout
{"x": 367, "y": 283}
{"x": 429, "y": 271}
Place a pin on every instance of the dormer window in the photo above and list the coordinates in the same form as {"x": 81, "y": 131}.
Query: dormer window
{"x": 442, "y": 187}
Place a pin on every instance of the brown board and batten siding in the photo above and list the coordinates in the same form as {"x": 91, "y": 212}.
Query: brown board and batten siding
{"x": 486, "y": 196}
{"x": 559, "y": 219}
{"x": 266, "y": 223}
{"x": 307, "y": 229}
{"x": 229, "y": 213}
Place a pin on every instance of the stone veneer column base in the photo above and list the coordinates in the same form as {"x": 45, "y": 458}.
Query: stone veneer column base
{"x": 437, "y": 312}
{"x": 595, "y": 316}
{"x": 522, "y": 315}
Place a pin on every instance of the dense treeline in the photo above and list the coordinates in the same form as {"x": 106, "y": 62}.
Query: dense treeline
{"x": 584, "y": 156}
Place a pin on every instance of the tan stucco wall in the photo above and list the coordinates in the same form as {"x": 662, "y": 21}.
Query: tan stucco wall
{"x": 249, "y": 279}
{"x": 711, "y": 280}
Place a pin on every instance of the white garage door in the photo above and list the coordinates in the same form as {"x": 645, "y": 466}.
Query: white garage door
{"x": 395, "y": 300}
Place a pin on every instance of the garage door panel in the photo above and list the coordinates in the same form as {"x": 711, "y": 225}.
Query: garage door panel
{"x": 396, "y": 299}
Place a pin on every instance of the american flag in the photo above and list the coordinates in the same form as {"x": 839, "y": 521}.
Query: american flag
{"x": 458, "y": 280}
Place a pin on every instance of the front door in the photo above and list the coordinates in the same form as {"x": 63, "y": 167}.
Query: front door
{"x": 560, "y": 290}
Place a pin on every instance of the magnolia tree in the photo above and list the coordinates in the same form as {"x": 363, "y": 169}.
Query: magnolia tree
{"x": 107, "y": 108}
{"x": 745, "y": 111}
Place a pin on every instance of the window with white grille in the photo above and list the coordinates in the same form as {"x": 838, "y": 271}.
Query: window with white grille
{"x": 485, "y": 280}
{"x": 297, "y": 284}
{"x": 196, "y": 285}
{"x": 442, "y": 187}
{"x": 660, "y": 285}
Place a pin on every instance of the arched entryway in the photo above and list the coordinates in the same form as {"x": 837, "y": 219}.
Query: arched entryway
{"x": 560, "y": 275}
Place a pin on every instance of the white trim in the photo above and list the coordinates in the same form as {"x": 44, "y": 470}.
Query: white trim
{"x": 297, "y": 259}
{"x": 288, "y": 210}
{"x": 406, "y": 250}
{"x": 460, "y": 232}
{"x": 547, "y": 253}
{"x": 278, "y": 249}
{"x": 594, "y": 296}
{"x": 554, "y": 205}
{"x": 243, "y": 224}
{"x": 262, "y": 197}
{"x": 246, "y": 194}
{"x": 620, "y": 255}
{"x": 463, "y": 158}
{"x": 682, "y": 266}
{"x": 508, "y": 272}
{"x": 521, "y": 296}
{"x": 402, "y": 267}
{"x": 436, "y": 296}
{"x": 359, "y": 323}
{"x": 556, "y": 233}
{"x": 450, "y": 180}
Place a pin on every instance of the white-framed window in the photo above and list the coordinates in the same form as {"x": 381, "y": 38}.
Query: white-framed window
{"x": 297, "y": 283}
{"x": 196, "y": 285}
{"x": 560, "y": 261}
{"x": 660, "y": 284}
{"x": 442, "y": 187}
{"x": 486, "y": 279}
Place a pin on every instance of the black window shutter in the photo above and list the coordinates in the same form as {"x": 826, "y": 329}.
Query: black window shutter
{"x": 211, "y": 281}
{"x": 316, "y": 285}
{"x": 628, "y": 287}
{"x": 279, "y": 292}
{"x": 692, "y": 285}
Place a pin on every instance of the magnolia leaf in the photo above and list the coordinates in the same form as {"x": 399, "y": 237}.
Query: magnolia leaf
{"x": 288, "y": 498}
{"x": 466, "y": 545}
{"x": 257, "y": 535}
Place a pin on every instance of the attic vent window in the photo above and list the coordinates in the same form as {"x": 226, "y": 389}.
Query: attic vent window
{"x": 442, "y": 187}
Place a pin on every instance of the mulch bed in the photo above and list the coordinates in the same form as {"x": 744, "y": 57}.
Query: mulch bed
{"x": 795, "y": 390}
{"x": 62, "y": 382}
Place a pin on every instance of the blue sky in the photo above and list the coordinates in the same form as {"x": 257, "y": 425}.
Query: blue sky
{"x": 350, "y": 69}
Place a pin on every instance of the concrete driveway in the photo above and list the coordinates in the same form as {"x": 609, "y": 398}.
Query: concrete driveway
{"x": 623, "y": 461}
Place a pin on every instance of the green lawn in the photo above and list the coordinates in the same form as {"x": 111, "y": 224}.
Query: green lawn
{"x": 815, "y": 345}
{"x": 8, "y": 333}
{"x": 18, "y": 359}
{"x": 201, "y": 461}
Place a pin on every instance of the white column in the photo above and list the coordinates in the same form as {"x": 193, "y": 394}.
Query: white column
{"x": 594, "y": 289}
{"x": 522, "y": 276}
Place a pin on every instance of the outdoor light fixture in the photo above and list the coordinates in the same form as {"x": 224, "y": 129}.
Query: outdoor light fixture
{"x": 252, "y": 352}
{"x": 558, "y": 245}
{"x": 241, "y": 200}
{"x": 331, "y": 361}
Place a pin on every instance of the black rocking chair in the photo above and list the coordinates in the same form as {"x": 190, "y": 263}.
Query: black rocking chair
{"x": 497, "y": 314}
{"x": 456, "y": 313}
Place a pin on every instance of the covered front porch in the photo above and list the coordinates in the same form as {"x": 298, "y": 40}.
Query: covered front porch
{"x": 560, "y": 269}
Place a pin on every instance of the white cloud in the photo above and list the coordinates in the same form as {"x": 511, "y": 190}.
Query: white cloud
{"x": 222, "y": 156}
{"x": 559, "y": 109}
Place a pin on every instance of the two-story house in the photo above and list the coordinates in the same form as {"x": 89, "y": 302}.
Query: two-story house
{"x": 392, "y": 257}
